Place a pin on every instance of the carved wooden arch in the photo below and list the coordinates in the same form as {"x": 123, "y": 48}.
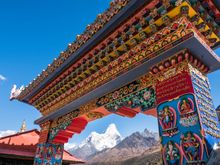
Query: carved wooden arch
{"x": 136, "y": 97}
{"x": 75, "y": 122}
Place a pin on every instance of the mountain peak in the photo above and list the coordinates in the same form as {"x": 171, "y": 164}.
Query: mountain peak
{"x": 111, "y": 140}
{"x": 151, "y": 134}
{"x": 112, "y": 129}
{"x": 97, "y": 142}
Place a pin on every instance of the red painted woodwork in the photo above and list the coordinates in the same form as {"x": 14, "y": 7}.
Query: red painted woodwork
{"x": 128, "y": 112}
{"x": 173, "y": 87}
{"x": 25, "y": 143}
{"x": 61, "y": 139}
{"x": 66, "y": 133}
{"x": 43, "y": 136}
{"x": 152, "y": 112}
{"x": 77, "y": 126}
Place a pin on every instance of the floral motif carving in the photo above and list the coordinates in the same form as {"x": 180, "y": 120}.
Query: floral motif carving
{"x": 118, "y": 94}
{"x": 87, "y": 107}
{"x": 94, "y": 115}
{"x": 145, "y": 99}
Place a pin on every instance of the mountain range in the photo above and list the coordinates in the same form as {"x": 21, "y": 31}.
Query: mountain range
{"x": 96, "y": 142}
{"x": 111, "y": 146}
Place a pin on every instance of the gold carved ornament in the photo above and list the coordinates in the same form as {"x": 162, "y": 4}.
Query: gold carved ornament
{"x": 88, "y": 107}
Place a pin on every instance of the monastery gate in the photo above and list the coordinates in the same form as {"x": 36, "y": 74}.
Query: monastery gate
{"x": 139, "y": 56}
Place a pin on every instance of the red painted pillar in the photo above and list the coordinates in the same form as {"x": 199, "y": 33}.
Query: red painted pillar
{"x": 54, "y": 135}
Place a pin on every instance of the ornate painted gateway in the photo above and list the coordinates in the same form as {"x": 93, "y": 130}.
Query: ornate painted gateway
{"x": 139, "y": 56}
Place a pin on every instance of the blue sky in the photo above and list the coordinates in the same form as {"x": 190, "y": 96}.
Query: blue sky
{"x": 32, "y": 34}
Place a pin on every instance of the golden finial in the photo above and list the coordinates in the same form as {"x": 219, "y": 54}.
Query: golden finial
{"x": 23, "y": 127}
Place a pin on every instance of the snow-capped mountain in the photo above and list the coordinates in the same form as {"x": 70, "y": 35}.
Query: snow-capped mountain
{"x": 96, "y": 142}
{"x": 109, "y": 139}
{"x": 69, "y": 146}
{"x": 111, "y": 145}
{"x": 132, "y": 146}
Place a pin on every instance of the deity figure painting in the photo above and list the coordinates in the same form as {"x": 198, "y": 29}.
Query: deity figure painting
{"x": 187, "y": 110}
{"x": 49, "y": 152}
{"x": 58, "y": 153}
{"x": 172, "y": 154}
{"x": 37, "y": 162}
{"x": 167, "y": 117}
{"x": 192, "y": 147}
{"x": 185, "y": 106}
{"x": 39, "y": 152}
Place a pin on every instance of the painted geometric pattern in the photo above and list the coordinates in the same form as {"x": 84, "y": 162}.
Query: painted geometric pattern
{"x": 207, "y": 112}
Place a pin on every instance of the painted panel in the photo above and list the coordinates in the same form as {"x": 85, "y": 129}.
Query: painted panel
{"x": 49, "y": 154}
{"x": 179, "y": 129}
{"x": 143, "y": 99}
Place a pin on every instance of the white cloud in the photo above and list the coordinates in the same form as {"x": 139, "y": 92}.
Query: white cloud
{"x": 69, "y": 146}
{"x": 6, "y": 133}
{"x": 2, "y": 78}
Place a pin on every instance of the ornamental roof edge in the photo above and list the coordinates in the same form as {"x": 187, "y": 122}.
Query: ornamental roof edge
{"x": 50, "y": 73}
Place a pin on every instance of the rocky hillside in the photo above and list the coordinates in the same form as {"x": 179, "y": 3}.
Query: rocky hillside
{"x": 133, "y": 145}
{"x": 109, "y": 148}
{"x": 151, "y": 156}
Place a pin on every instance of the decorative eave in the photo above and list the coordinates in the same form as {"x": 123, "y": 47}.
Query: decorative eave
{"x": 201, "y": 29}
{"x": 69, "y": 56}
{"x": 57, "y": 67}
{"x": 193, "y": 44}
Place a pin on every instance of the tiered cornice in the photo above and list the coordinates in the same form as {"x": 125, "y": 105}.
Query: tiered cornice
{"x": 148, "y": 31}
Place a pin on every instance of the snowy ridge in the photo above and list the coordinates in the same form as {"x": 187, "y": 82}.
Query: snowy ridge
{"x": 97, "y": 142}
{"x": 109, "y": 139}
{"x": 111, "y": 143}
{"x": 151, "y": 134}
